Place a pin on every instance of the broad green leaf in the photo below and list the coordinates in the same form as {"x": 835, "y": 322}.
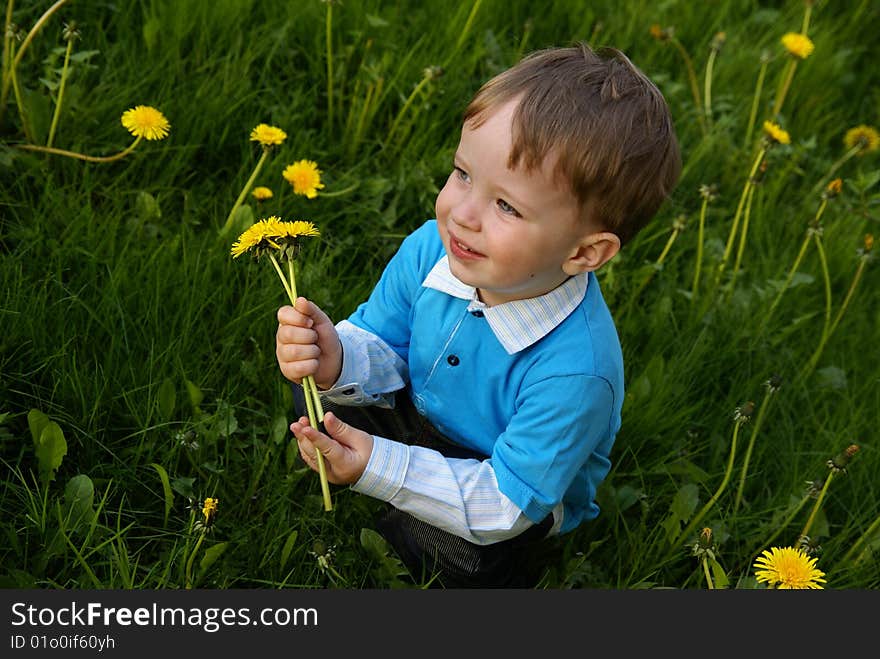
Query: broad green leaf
{"x": 167, "y": 399}
{"x": 718, "y": 574}
{"x": 279, "y": 429}
{"x": 166, "y": 488}
{"x": 80, "y": 498}
{"x": 183, "y": 485}
{"x": 195, "y": 395}
{"x": 151, "y": 30}
{"x": 212, "y": 554}
{"x": 50, "y": 451}
{"x": 37, "y": 420}
{"x": 685, "y": 502}
{"x": 374, "y": 543}
{"x": 288, "y": 547}
{"x": 146, "y": 207}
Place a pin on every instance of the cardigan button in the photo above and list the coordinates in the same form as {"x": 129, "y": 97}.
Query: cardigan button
{"x": 476, "y": 313}
{"x": 453, "y": 360}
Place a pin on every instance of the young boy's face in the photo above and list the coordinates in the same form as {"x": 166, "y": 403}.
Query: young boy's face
{"x": 509, "y": 233}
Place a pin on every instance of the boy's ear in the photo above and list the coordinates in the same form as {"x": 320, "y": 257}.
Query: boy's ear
{"x": 594, "y": 251}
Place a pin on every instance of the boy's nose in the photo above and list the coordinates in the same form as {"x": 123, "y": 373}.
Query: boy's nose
{"x": 465, "y": 214}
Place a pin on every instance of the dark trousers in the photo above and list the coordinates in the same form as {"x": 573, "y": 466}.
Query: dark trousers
{"x": 426, "y": 550}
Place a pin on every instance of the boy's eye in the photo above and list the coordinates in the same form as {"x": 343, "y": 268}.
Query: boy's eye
{"x": 504, "y": 207}
{"x": 463, "y": 175}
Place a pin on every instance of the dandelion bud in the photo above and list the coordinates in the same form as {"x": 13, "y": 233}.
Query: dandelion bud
{"x": 841, "y": 460}
{"x": 869, "y": 242}
{"x": 660, "y": 33}
{"x": 679, "y": 223}
{"x": 718, "y": 41}
{"x": 706, "y": 538}
{"x": 833, "y": 188}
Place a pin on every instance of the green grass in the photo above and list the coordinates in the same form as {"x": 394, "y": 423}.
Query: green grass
{"x": 124, "y": 320}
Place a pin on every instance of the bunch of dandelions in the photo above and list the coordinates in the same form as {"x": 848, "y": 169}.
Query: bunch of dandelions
{"x": 203, "y": 526}
{"x": 267, "y": 137}
{"x": 279, "y": 241}
{"x": 788, "y": 568}
{"x": 144, "y": 122}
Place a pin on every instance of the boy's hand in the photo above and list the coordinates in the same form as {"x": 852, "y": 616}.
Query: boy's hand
{"x": 346, "y": 451}
{"x": 306, "y": 343}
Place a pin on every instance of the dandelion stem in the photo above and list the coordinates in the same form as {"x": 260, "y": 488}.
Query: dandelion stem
{"x": 189, "y": 561}
{"x": 692, "y": 79}
{"x": 707, "y": 85}
{"x": 782, "y": 526}
{"x": 862, "y": 538}
{"x": 339, "y": 193}
{"x": 7, "y": 51}
{"x": 837, "y": 165}
{"x": 808, "y": 9}
{"x": 745, "y": 466}
{"x": 711, "y": 502}
{"x": 830, "y": 329}
{"x": 816, "y": 507}
{"x": 657, "y": 264}
{"x": 786, "y": 83}
{"x": 61, "y": 85}
{"x": 329, "y": 38}
{"x": 826, "y": 325}
{"x": 81, "y": 156}
{"x": 807, "y": 238}
{"x": 700, "y": 231}
{"x": 241, "y": 195}
{"x": 739, "y": 209}
{"x": 310, "y": 389}
{"x": 742, "y": 238}
{"x": 756, "y": 100}
{"x": 709, "y": 583}
{"x": 418, "y": 88}
{"x": 8, "y": 73}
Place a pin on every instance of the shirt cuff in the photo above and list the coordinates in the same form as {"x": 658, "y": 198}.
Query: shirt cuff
{"x": 385, "y": 471}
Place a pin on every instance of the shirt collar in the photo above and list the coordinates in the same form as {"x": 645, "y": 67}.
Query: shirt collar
{"x": 520, "y": 323}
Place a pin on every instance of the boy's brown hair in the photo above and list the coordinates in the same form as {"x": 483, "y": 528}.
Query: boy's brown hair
{"x": 606, "y": 121}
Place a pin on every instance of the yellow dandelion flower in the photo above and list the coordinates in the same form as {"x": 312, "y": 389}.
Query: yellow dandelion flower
{"x": 268, "y": 135}
{"x": 145, "y": 121}
{"x": 272, "y": 233}
{"x": 776, "y": 133}
{"x": 788, "y": 568}
{"x": 262, "y": 193}
{"x": 260, "y": 236}
{"x": 834, "y": 187}
{"x": 209, "y": 510}
{"x": 799, "y": 45}
{"x": 869, "y": 242}
{"x": 863, "y": 136}
{"x": 305, "y": 177}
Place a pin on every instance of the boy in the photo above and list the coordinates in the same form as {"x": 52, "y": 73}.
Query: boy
{"x": 479, "y": 388}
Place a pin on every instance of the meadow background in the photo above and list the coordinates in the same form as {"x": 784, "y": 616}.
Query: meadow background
{"x": 137, "y": 368}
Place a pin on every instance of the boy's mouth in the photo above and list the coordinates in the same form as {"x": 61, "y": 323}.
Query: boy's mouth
{"x": 462, "y": 250}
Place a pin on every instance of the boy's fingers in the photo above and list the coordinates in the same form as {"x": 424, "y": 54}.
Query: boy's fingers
{"x": 288, "y": 315}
